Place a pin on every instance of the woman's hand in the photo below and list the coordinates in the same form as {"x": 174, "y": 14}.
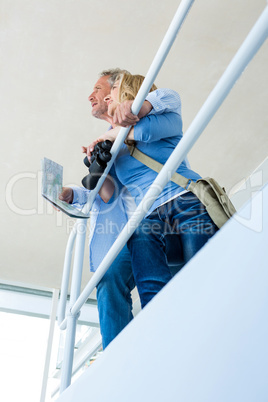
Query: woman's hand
{"x": 109, "y": 135}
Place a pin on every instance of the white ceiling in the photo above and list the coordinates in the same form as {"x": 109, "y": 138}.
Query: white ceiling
{"x": 51, "y": 54}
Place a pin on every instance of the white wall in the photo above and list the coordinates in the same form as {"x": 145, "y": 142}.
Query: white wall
{"x": 204, "y": 336}
{"x": 51, "y": 54}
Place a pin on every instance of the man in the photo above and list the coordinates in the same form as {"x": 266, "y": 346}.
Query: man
{"x": 114, "y": 290}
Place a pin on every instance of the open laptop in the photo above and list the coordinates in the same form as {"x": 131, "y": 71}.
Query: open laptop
{"x": 52, "y": 174}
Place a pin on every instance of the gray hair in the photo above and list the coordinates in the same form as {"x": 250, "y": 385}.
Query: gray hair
{"x": 113, "y": 74}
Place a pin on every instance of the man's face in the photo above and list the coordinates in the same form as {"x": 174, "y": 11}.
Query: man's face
{"x": 101, "y": 90}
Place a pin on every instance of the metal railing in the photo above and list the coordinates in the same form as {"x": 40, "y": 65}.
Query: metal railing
{"x": 246, "y": 52}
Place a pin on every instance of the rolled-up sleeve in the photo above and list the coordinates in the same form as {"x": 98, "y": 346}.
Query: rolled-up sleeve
{"x": 80, "y": 195}
{"x": 164, "y": 100}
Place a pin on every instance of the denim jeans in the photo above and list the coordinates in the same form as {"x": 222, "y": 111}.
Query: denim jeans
{"x": 185, "y": 217}
{"x": 114, "y": 297}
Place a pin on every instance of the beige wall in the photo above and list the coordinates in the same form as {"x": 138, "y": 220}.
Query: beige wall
{"x": 51, "y": 53}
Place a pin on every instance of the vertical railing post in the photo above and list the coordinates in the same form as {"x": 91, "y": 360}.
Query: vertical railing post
{"x": 67, "y": 363}
{"x": 53, "y": 316}
{"x": 66, "y": 277}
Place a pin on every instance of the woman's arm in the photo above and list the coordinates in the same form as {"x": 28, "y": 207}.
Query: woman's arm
{"x": 155, "y": 127}
{"x": 108, "y": 135}
{"x": 107, "y": 190}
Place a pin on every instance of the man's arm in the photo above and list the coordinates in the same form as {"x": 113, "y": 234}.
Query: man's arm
{"x": 74, "y": 195}
{"x": 79, "y": 195}
{"x": 124, "y": 117}
{"x": 164, "y": 100}
{"x": 159, "y": 101}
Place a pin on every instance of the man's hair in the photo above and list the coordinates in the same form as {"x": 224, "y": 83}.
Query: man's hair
{"x": 113, "y": 73}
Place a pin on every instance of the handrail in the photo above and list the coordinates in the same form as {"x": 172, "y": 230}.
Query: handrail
{"x": 66, "y": 371}
{"x": 66, "y": 278}
{"x": 246, "y": 52}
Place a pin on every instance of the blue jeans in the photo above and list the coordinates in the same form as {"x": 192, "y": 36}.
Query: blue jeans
{"x": 114, "y": 294}
{"x": 114, "y": 297}
{"x": 185, "y": 217}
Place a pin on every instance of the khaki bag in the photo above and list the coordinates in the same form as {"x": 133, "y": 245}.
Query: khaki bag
{"x": 207, "y": 190}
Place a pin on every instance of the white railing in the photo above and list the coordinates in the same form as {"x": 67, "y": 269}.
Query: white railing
{"x": 79, "y": 231}
{"x": 246, "y": 52}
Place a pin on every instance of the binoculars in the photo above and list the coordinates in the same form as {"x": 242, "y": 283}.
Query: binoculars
{"x": 99, "y": 158}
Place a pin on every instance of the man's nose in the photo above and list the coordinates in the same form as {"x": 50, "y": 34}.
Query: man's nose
{"x": 91, "y": 97}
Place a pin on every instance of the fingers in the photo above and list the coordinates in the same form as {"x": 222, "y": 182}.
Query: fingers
{"x": 88, "y": 150}
{"x": 124, "y": 116}
{"x": 125, "y": 119}
{"x": 109, "y": 135}
{"x": 67, "y": 195}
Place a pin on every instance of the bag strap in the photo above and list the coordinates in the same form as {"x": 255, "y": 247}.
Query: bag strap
{"x": 177, "y": 178}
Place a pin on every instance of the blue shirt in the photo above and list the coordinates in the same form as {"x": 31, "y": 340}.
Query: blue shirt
{"x": 156, "y": 135}
{"x": 107, "y": 220}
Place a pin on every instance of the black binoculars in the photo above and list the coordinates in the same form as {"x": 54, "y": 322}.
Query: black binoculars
{"x": 99, "y": 158}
